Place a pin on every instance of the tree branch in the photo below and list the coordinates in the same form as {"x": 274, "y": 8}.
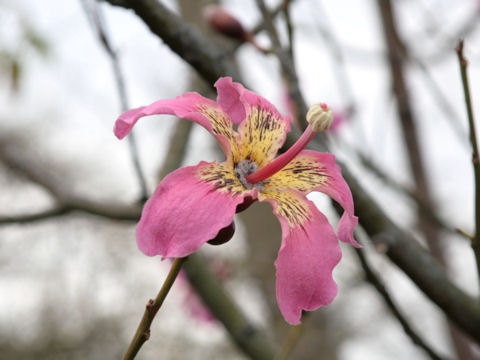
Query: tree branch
{"x": 415, "y": 261}
{"x": 475, "y": 155}
{"x": 248, "y": 338}
{"x": 94, "y": 14}
{"x": 208, "y": 59}
{"x": 382, "y": 290}
{"x": 66, "y": 202}
{"x": 142, "y": 333}
{"x": 396, "y": 50}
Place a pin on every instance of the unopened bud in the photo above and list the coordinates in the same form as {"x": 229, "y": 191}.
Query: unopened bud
{"x": 224, "y": 23}
{"x": 320, "y": 117}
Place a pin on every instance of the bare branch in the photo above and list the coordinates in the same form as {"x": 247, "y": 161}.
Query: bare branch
{"x": 251, "y": 340}
{"x": 94, "y": 14}
{"x": 475, "y": 155}
{"x": 382, "y": 290}
{"x": 415, "y": 261}
{"x": 208, "y": 59}
{"x": 286, "y": 63}
{"x": 67, "y": 202}
{"x": 29, "y": 218}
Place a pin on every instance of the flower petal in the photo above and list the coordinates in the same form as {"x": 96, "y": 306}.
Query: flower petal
{"x": 313, "y": 171}
{"x": 191, "y": 106}
{"x": 306, "y": 259}
{"x": 188, "y": 208}
{"x": 262, "y": 129}
{"x": 228, "y": 97}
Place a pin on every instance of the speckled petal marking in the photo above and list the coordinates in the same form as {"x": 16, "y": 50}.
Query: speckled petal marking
{"x": 221, "y": 124}
{"x": 222, "y": 178}
{"x": 303, "y": 173}
{"x": 290, "y": 205}
{"x": 261, "y": 135}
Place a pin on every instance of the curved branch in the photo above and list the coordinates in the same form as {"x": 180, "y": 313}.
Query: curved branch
{"x": 184, "y": 39}
{"x": 373, "y": 279}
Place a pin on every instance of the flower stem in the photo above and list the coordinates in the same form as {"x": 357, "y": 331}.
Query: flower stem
{"x": 143, "y": 330}
{"x": 475, "y": 158}
{"x": 289, "y": 343}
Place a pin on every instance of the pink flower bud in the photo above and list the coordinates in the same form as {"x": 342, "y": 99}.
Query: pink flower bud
{"x": 224, "y": 23}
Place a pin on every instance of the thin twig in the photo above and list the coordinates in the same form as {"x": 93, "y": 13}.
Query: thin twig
{"x": 286, "y": 64}
{"x": 396, "y": 57}
{"x": 29, "y": 218}
{"x": 94, "y": 14}
{"x": 382, "y": 290}
{"x": 143, "y": 331}
{"x": 429, "y": 212}
{"x": 288, "y": 21}
{"x": 475, "y": 158}
{"x": 442, "y": 101}
{"x": 418, "y": 264}
{"x": 66, "y": 201}
{"x": 210, "y": 60}
{"x": 280, "y": 8}
{"x": 340, "y": 71}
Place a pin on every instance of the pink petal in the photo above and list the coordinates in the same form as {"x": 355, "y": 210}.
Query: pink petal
{"x": 237, "y": 101}
{"x": 305, "y": 262}
{"x": 191, "y": 106}
{"x": 188, "y": 208}
{"x": 336, "y": 187}
{"x": 228, "y": 97}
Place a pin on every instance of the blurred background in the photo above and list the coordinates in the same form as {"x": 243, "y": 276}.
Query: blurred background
{"x": 73, "y": 284}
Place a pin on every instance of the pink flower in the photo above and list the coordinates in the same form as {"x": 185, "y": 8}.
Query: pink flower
{"x": 192, "y": 204}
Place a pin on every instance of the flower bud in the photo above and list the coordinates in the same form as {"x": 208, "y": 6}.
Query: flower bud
{"x": 320, "y": 117}
{"x": 224, "y": 23}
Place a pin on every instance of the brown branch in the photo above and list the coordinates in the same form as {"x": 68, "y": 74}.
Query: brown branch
{"x": 29, "y": 218}
{"x": 280, "y": 8}
{"x": 475, "y": 155}
{"x": 143, "y": 330}
{"x": 66, "y": 201}
{"x": 208, "y": 59}
{"x": 429, "y": 212}
{"x": 94, "y": 14}
{"x": 246, "y": 336}
{"x": 396, "y": 50}
{"x": 375, "y": 280}
{"x": 415, "y": 261}
{"x": 286, "y": 64}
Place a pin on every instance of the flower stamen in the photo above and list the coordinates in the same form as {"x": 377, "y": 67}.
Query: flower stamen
{"x": 319, "y": 118}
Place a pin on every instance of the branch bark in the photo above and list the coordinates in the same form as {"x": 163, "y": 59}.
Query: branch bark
{"x": 397, "y": 52}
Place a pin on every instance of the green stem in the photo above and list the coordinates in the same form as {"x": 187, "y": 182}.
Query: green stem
{"x": 143, "y": 330}
{"x": 289, "y": 343}
{"x": 475, "y": 158}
